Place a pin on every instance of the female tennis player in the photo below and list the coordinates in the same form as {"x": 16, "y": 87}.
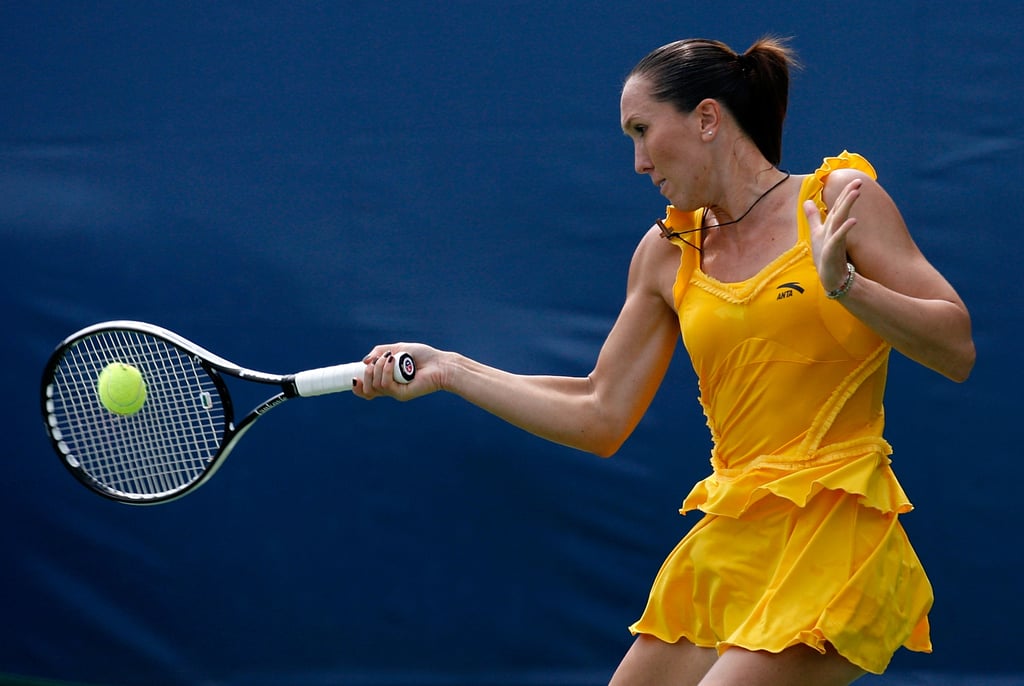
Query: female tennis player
{"x": 789, "y": 291}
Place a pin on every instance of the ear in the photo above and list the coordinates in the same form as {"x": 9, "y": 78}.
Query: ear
{"x": 709, "y": 115}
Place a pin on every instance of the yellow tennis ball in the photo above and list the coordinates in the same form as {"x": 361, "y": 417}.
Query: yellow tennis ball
{"x": 121, "y": 388}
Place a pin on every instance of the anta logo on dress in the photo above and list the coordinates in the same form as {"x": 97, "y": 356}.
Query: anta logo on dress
{"x": 787, "y": 289}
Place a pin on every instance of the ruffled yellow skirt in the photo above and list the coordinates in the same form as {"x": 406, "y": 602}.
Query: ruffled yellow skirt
{"x": 779, "y": 574}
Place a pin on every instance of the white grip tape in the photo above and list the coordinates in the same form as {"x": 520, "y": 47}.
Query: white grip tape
{"x": 341, "y": 376}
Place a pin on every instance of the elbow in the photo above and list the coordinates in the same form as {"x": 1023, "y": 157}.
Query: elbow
{"x": 606, "y": 442}
{"x": 604, "y": 426}
{"x": 958, "y": 376}
{"x": 958, "y": 364}
{"x": 606, "y": 450}
{"x": 597, "y": 438}
{"x": 965, "y": 354}
{"x": 600, "y": 444}
{"x": 961, "y": 371}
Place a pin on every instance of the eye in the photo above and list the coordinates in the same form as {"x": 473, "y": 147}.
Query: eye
{"x": 634, "y": 128}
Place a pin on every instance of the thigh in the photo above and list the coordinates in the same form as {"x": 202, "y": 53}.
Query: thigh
{"x": 799, "y": 665}
{"x": 652, "y": 662}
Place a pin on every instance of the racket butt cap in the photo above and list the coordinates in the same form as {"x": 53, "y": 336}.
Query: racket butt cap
{"x": 405, "y": 368}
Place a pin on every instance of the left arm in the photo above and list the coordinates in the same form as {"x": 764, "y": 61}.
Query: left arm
{"x": 896, "y": 291}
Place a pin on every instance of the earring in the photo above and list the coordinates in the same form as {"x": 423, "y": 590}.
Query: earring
{"x": 709, "y": 132}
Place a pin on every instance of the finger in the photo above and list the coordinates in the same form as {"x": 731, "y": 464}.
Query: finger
{"x": 844, "y": 228}
{"x": 361, "y": 389}
{"x": 371, "y": 376}
{"x": 383, "y": 375}
{"x": 391, "y": 374}
{"x": 837, "y": 226}
{"x": 813, "y": 213}
{"x": 368, "y": 386}
{"x": 848, "y": 196}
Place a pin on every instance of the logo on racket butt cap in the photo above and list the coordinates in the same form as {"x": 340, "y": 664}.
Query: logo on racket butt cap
{"x": 406, "y": 367}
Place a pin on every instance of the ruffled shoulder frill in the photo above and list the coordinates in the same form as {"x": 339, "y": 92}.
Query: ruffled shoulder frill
{"x": 845, "y": 160}
{"x": 683, "y": 230}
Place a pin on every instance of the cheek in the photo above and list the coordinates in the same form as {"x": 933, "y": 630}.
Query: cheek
{"x": 666, "y": 153}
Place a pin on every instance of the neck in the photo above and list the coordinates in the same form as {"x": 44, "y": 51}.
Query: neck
{"x": 764, "y": 183}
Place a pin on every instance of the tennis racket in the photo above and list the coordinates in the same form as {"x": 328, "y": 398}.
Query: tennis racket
{"x": 185, "y": 428}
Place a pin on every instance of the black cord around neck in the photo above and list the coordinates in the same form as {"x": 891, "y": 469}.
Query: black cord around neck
{"x": 665, "y": 233}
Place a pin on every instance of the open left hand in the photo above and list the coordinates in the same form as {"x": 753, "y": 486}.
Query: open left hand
{"x": 828, "y": 238}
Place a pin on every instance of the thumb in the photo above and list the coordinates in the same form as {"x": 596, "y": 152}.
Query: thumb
{"x": 812, "y": 212}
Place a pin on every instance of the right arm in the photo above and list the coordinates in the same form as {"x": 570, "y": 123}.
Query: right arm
{"x": 595, "y": 413}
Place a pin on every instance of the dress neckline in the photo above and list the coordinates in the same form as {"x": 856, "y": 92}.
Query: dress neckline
{"x": 782, "y": 260}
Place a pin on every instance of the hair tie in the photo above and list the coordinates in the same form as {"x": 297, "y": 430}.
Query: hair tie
{"x": 746, "y": 63}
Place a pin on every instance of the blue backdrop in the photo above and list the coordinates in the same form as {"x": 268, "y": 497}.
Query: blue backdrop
{"x": 289, "y": 184}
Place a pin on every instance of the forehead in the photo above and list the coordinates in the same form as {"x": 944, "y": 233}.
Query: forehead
{"x": 635, "y": 92}
{"x": 636, "y": 101}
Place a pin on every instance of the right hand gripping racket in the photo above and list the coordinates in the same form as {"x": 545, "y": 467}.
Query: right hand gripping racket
{"x": 185, "y": 427}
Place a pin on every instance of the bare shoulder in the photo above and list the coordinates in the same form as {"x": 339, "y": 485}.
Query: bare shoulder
{"x": 836, "y": 181}
{"x": 879, "y": 221}
{"x": 880, "y": 245}
{"x": 654, "y": 265}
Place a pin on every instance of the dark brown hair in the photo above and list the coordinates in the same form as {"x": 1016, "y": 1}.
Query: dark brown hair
{"x": 753, "y": 86}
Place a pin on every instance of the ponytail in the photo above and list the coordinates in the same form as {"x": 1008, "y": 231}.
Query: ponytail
{"x": 765, "y": 68}
{"x": 753, "y": 86}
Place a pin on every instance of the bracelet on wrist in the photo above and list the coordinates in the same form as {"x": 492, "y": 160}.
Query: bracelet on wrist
{"x": 844, "y": 288}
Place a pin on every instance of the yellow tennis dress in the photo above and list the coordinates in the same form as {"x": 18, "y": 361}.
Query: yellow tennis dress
{"x": 800, "y": 541}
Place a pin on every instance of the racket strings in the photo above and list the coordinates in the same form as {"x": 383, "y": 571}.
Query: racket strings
{"x": 165, "y": 446}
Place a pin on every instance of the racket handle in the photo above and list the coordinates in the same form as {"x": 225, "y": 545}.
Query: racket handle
{"x": 340, "y": 377}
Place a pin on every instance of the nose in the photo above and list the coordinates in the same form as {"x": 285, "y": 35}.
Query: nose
{"x": 641, "y": 161}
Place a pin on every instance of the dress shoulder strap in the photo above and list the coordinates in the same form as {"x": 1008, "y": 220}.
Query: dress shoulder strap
{"x": 814, "y": 185}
